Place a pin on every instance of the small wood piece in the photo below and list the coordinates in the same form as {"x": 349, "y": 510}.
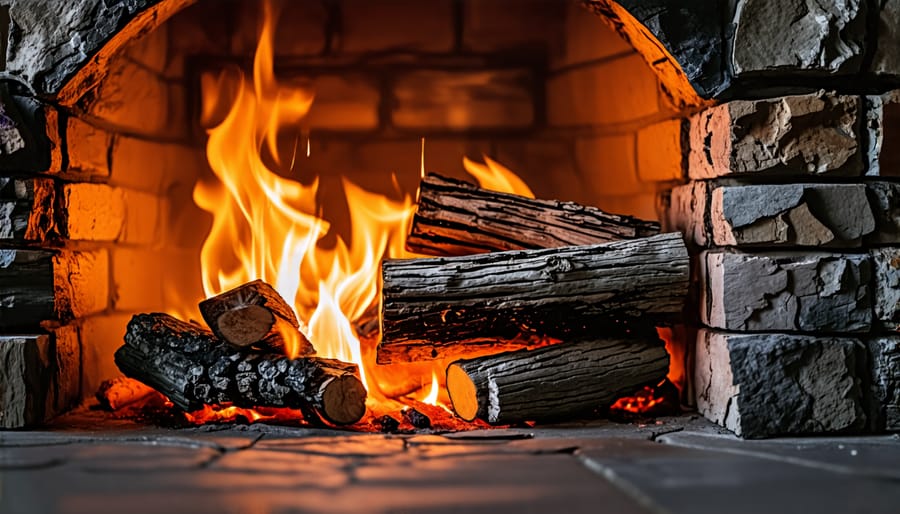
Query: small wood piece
{"x": 255, "y": 314}
{"x": 556, "y": 382}
{"x": 120, "y": 392}
{"x": 192, "y": 368}
{"x": 457, "y": 218}
{"x": 441, "y": 307}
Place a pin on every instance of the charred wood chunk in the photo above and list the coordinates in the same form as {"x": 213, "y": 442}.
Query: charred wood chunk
{"x": 556, "y": 382}
{"x": 254, "y": 313}
{"x": 415, "y": 418}
{"x": 458, "y": 218}
{"x": 438, "y": 307}
{"x": 192, "y": 367}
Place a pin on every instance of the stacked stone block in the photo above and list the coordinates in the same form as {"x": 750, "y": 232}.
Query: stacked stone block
{"x": 796, "y": 273}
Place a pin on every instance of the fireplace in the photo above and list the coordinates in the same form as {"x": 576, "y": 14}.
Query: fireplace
{"x": 774, "y": 162}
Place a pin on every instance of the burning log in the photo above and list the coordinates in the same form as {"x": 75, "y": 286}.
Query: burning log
{"x": 554, "y": 382}
{"x": 458, "y": 218}
{"x": 120, "y": 392}
{"x": 254, "y": 313}
{"x": 193, "y": 368}
{"x": 444, "y": 307}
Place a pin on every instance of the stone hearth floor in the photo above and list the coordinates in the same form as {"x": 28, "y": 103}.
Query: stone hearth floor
{"x": 679, "y": 465}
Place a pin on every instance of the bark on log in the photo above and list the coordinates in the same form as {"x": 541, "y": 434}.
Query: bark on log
{"x": 458, "y": 218}
{"x": 435, "y": 308}
{"x": 556, "y": 382}
{"x": 191, "y": 367}
{"x": 255, "y": 314}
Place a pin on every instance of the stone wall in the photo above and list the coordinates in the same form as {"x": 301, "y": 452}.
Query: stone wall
{"x": 791, "y": 215}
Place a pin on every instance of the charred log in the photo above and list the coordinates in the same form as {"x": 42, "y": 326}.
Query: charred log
{"x": 556, "y": 382}
{"x": 192, "y": 368}
{"x": 438, "y": 307}
{"x": 458, "y": 218}
{"x": 254, "y": 314}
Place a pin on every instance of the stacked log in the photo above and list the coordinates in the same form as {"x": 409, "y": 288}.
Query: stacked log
{"x": 597, "y": 283}
{"x": 239, "y": 362}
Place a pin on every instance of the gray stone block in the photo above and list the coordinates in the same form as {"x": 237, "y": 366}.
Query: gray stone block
{"x": 768, "y": 384}
{"x": 816, "y": 134}
{"x": 834, "y": 215}
{"x": 886, "y": 262}
{"x": 799, "y": 37}
{"x": 786, "y": 291}
{"x": 884, "y": 364}
{"x": 884, "y": 197}
{"x": 25, "y": 366}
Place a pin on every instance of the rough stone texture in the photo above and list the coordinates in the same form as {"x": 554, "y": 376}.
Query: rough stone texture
{"x": 799, "y": 36}
{"x": 817, "y": 134}
{"x": 884, "y": 364}
{"x": 24, "y": 364}
{"x": 49, "y": 41}
{"x": 27, "y": 142}
{"x": 686, "y": 209}
{"x": 886, "y": 262}
{"x": 887, "y": 59}
{"x": 835, "y": 215}
{"x": 786, "y": 291}
{"x": 460, "y": 100}
{"x": 93, "y": 212}
{"x": 681, "y": 40}
{"x": 884, "y": 198}
{"x": 26, "y": 288}
{"x": 88, "y": 150}
{"x": 762, "y": 385}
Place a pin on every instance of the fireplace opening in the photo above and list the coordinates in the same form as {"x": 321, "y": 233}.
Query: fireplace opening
{"x": 413, "y": 191}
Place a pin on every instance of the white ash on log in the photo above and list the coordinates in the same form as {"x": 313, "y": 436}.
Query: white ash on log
{"x": 457, "y": 218}
{"x": 556, "y": 382}
{"x": 254, "y": 314}
{"x": 442, "y": 307}
{"x": 192, "y": 368}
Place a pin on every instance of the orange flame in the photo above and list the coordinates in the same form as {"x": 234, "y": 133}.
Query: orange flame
{"x": 496, "y": 177}
{"x": 267, "y": 226}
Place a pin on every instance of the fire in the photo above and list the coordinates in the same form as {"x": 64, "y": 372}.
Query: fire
{"x": 496, "y": 177}
{"x": 432, "y": 397}
{"x": 268, "y": 226}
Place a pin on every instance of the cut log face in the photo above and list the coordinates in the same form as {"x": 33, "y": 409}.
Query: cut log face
{"x": 254, "y": 314}
{"x": 458, "y": 218}
{"x": 193, "y": 368}
{"x": 436, "y": 308}
{"x": 554, "y": 382}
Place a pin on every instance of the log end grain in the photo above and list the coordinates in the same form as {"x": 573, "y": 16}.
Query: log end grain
{"x": 246, "y": 325}
{"x": 344, "y": 400}
{"x": 463, "y": 395}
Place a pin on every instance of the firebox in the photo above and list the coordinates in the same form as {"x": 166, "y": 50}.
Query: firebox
{"x": 439, "y": 199}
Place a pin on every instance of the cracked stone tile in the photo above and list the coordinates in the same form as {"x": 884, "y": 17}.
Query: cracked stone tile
{"x": 495, "y": 483}
{"x": 101, "y": 457}
{"x": 873, "y": 456}
{"x": 372, "y": 445}
{"x": 278, "y": 468}
{"x": 677, "y": 480}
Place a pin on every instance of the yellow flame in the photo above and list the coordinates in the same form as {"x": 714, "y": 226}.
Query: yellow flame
{"x": 432, "y": 397}
{"x": 496, "y": 177}
{"x": 268, "y": 227}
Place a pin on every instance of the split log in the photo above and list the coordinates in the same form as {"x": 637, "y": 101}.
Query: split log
{"x": 457, "y": 218}
{"x": 440, "y": 307}
{"x": 192, "y": 368}
{"x": 255, "y": 314}
{"x": 556, "y": 382}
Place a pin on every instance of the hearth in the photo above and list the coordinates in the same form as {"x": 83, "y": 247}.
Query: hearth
{"x": 566, "y": 167}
